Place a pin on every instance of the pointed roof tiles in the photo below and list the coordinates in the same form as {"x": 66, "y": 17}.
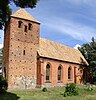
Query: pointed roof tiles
{"x": 23, "y": 14}
{"x": 50, "y": 49}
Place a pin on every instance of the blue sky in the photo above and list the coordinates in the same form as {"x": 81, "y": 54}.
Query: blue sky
{"x": 69, "y": 22}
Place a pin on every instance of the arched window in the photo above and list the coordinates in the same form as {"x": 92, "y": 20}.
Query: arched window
{"x": 47, "y": 72}
{"x": 25, "y": 30}
{"x": 69, "y": 73}
{"x": 59, "y": 73}
{"x": 20, "y": 24}
{"x": 5, "y": 72}
{"x": 29, "y": 26}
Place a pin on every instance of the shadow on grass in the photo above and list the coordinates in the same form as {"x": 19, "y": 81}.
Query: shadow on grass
{"x": 62, "y": 94}
{"x": 8, "y": 96}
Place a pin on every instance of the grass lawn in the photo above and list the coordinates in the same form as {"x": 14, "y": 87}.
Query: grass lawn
{"x": 54, "y": 93}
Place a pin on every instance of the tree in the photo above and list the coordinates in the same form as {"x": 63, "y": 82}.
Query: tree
{"x": 89, "y": 52}
{"x": 5, "y": 10}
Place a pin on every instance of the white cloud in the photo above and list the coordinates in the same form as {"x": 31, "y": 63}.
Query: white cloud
{"x": 1, "y": 36}
{"x": 0, "y": 71}
{"x": 1, "y": 46}
{"x": 76, "y": 46}
{"x": 76, "y": 30}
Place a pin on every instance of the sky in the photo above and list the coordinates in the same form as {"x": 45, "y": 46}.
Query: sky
{"x": 70, "y": 22}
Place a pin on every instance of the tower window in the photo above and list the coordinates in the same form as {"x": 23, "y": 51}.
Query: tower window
{"x": 20, "y": 24}
{"x": 23, "y": 52}
{"x": 25, "y": 28}
{"x": 5, "y": 72}
{"x": 29, "y": 26}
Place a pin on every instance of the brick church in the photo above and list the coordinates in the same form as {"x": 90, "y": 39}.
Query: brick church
{"x": 30, "y": 61}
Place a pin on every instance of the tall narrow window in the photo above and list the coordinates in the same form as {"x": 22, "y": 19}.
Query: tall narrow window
{"x": 59, "y": 73}
{"x": 23, "y": 52}
{"x": 69, "y": 73}
{"x": 25, "y": 28}
{"x": 29, "y": 26}
{"x": 5, "y": 72}
{"x": 20, "y": 24}
{"x": 47, "y": 72}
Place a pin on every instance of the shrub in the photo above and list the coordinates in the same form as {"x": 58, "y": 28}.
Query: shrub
{"x": 44, "y": 89}
{"x": 70, "y": 90}
{"x": 89, "y": 87}
{"x": 3, "y": 84}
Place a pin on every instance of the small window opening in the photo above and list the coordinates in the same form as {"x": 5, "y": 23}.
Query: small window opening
{"x": 19, "y": 24}
{"x": 23, "y": 52}
{"x": 29, "y": 26}
{"x": 5, "y": 72}
{"x": 25, "y": 28}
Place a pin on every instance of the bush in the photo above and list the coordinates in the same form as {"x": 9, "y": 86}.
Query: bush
{"x": 89, "y": 87}
{"x": 44, "y": 89}
{"x": 3, "y": 84}
{"x": 70, "y": 90}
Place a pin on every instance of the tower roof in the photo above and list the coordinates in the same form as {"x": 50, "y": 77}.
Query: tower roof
{"x": 23, "y": 14}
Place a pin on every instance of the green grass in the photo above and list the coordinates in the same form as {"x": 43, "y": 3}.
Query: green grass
{"x": 54, "y": 93}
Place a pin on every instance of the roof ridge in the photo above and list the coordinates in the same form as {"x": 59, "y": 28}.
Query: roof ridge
{"x": 59, "y": 43}
{"x": 23, "y": 14}
{"x": 55, "y": 50}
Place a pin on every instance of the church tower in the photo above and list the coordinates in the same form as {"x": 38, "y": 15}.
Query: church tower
{"x": 21, "y": 42}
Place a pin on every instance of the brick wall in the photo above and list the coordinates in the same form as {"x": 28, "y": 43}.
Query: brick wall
{"x": 54, "y": 64}
{"x": 22, "y": 49}
{"x": 5, "y": 61}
